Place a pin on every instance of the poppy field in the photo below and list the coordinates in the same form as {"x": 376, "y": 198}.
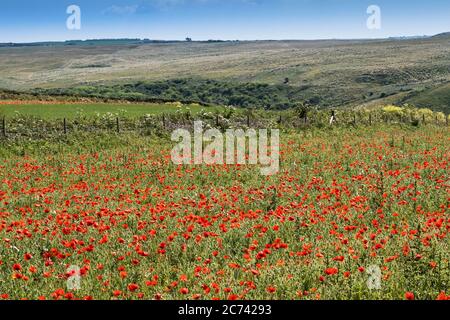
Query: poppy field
{"x": 354, "y": 213}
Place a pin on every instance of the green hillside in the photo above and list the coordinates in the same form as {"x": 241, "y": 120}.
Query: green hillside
{"x": 437, "y": 98}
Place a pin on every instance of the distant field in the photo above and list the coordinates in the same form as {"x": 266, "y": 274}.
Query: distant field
{"x": 55, "y": 111}
{"x": 328, "y": 73}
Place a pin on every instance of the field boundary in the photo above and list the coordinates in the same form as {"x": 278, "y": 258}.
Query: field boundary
{"x": 30, "y": 127}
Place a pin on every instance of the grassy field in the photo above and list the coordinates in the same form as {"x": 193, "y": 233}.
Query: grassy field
{"x": 72, "y": 110}
{"x": 348, "y": 205}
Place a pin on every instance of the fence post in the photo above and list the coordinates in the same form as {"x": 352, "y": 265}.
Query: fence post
{"x": 65, "y": 126}
{"x": 217, "y": 120}
{"x": 164, "y": 120}
{"x": 280, "y": 120}
{"x": 423, "y": 118}
{"x": 4, "y": 126}
{"x": 117, "y": 125}
{"x": 333, "y": 117}
{"x": 354, "y": 119}
{"x": 248, "y": 120}
{"x": 370, "y": 119}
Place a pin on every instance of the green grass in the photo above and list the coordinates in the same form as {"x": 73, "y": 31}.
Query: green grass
{"x": 437, "y": 98}
{"x": 58, "y": 111}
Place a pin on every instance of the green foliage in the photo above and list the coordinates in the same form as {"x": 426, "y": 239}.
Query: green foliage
{"x": 207, "y": 92}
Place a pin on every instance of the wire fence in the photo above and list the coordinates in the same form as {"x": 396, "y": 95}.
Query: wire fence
{"x": 29, "y": 127}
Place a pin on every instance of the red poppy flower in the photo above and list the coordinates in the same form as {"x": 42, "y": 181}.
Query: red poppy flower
{"x": 133, "y": 287}
{"x": 271, "y": 289}
{"x": 183, "y": 278}
{"x": 331, "y": 271}
{"x": 117, "y": 293}
{"x": 184, "y": 290}
{"x": 157, "y": 296}
{"x": 409, "y": 296}
{"x": 17, "y": 267}
{"x": 443, "y": 296}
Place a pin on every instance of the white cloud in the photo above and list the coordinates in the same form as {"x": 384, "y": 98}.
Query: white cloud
{"x": 122, "y": 10}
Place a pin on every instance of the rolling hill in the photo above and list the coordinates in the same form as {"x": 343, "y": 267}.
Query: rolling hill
{"x": 326, "y": 73}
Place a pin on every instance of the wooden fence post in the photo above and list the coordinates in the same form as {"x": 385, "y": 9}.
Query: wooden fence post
{"x": 164, "y": 120}
{"x": 117, "y": 125}
{"x": 217, "y": 120}
{"x": 65, "y": 126}
{"x": 370, "y": 119}
{"x": 4, "y": 126}
{"x": 423, "y": 119}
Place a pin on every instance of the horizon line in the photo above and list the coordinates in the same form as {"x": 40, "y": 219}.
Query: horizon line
{"x": 224, "y": 40}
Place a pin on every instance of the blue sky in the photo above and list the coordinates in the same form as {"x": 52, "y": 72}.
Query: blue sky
{"x": 30, "y": 20}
